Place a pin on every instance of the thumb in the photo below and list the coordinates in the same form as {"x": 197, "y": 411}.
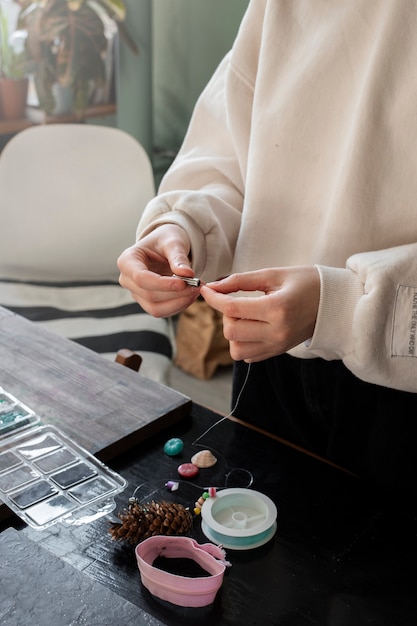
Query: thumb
{"x": 177, "y": 253}
{"x": 181, "y": 265}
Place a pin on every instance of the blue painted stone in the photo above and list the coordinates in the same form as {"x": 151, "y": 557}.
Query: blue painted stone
{"x": 173, "y": 446}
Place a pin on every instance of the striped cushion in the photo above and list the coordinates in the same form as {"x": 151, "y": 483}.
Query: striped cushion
{"x": 99, "y": 315}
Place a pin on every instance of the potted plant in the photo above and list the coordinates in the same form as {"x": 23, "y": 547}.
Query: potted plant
{"x": 13, "y": 64}
{"x": 67, "y": 44}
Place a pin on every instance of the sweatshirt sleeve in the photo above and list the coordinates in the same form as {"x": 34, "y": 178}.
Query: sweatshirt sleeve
{"x": 368, "y": 316}
{"x": 203, "y": 189}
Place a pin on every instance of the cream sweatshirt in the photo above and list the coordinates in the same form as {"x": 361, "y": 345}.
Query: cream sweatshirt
{"x": 302, "y": 150}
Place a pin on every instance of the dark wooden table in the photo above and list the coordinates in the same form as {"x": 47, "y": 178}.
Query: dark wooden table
{"x": 105, "y": 407}
{"x": 344, "y": 553}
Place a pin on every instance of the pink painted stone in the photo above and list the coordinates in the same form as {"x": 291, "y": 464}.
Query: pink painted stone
{"x": 187, "y": 470}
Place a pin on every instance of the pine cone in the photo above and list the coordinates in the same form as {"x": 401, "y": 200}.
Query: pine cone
{"x": 141, "y": 521}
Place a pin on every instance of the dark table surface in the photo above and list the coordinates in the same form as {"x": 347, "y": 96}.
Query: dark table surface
{"x": 343, "y": 555}
{"x": 344, "y": 552}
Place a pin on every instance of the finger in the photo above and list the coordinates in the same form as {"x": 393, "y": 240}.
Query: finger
{"x": 242, "y": 330}
{"x": 145, "y": 280}
{"x": 129, "y": 261}
{"x": 180, "y": 266}
{"x": 165, "y": 246}
{"x": 170, "y": 308}
{"x": 252, "y": 352}
{"x": 215, "y": 300}
{"x": 249, "y": 308}
{"x": 175, "y": 247}
{"x": 260, "y": 280}
{"x": 164, "y": 307}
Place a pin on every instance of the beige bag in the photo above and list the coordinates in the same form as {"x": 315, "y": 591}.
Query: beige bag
{"x": 201, "y": 345}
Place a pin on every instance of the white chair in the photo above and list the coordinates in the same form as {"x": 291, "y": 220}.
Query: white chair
{"x": 70, "y": 199}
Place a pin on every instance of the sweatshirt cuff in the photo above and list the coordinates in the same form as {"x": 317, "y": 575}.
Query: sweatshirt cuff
{"x": 340, "y": 292}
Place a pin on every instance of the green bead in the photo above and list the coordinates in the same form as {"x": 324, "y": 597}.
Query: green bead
{"x": 173, "y": 446}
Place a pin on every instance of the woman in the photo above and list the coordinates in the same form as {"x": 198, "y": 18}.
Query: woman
{"x": 297, "y": 182}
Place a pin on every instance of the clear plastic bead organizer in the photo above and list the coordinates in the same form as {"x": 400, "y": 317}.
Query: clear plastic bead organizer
{"x": 45, "y": 477}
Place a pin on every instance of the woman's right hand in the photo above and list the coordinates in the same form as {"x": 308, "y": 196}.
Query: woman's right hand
{"x": 147, "y": 268}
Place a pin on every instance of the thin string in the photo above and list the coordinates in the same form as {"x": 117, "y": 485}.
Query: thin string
{"x": 191, "y": 484}
{"x": 195, "y": 443}
{"x": 183, "y": 482}
{"x": 229, "y": 414}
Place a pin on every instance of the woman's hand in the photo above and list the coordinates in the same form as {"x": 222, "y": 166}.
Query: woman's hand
{"x": 146, "y": 270}
{"x": 262, "y": 326}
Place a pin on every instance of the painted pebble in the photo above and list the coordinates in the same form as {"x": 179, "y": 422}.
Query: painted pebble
{"x": 187, "y": 470}
{"x": 173, "y": 446}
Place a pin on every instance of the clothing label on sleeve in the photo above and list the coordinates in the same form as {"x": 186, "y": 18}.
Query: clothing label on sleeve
{"x": 404, "y": 333}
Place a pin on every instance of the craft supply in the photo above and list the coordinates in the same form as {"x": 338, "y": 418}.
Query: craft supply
{"x": 225, "y": 417}
{"x": 172, "y": 485}
{"x": 45, "y": 477}
{"x": 13, "y": 414}
{"x": 240, "y": 519}
{"x": 204, "y": 458}
{"x": 210, "y": 493}
{"x": 173, "y": 446}
{"x": 192, "y": 282}
{"x": 33, "y": 494}
{"x": 187, "y": 470}
{"x": 182, "y": 591}
{"x": 235, "y": 517}
{"x": 57, "y": 460}
{"x": 141, "y": 521}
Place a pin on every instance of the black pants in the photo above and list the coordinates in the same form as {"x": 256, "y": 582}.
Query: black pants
{"x": 321, "y": 406}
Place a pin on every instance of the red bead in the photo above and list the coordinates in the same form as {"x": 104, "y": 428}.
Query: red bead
{"x": 187, "y": 470}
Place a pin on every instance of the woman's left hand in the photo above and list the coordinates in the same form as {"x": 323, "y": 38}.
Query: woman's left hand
{"x": 259, "y": 326}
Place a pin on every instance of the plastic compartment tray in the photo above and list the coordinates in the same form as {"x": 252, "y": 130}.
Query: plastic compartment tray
{"x": 45, "y": 477}
{"x": 14, "y": 415}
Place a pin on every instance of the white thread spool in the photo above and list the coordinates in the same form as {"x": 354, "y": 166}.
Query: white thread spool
{"x": 239, "y": 519}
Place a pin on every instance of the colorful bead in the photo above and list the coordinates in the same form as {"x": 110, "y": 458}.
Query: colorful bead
{"x": 173, "y": 446}
{"x": 172, "y": 485}
{"x": 187, "y": 470}
{"x": 212, "y": 492}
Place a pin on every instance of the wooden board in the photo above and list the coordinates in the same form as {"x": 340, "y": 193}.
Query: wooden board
{"x": 105, "y": 407}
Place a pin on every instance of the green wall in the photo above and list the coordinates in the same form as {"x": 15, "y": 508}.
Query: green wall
{"x": 134, "y": 79}
{"x": 181, "y": 42}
